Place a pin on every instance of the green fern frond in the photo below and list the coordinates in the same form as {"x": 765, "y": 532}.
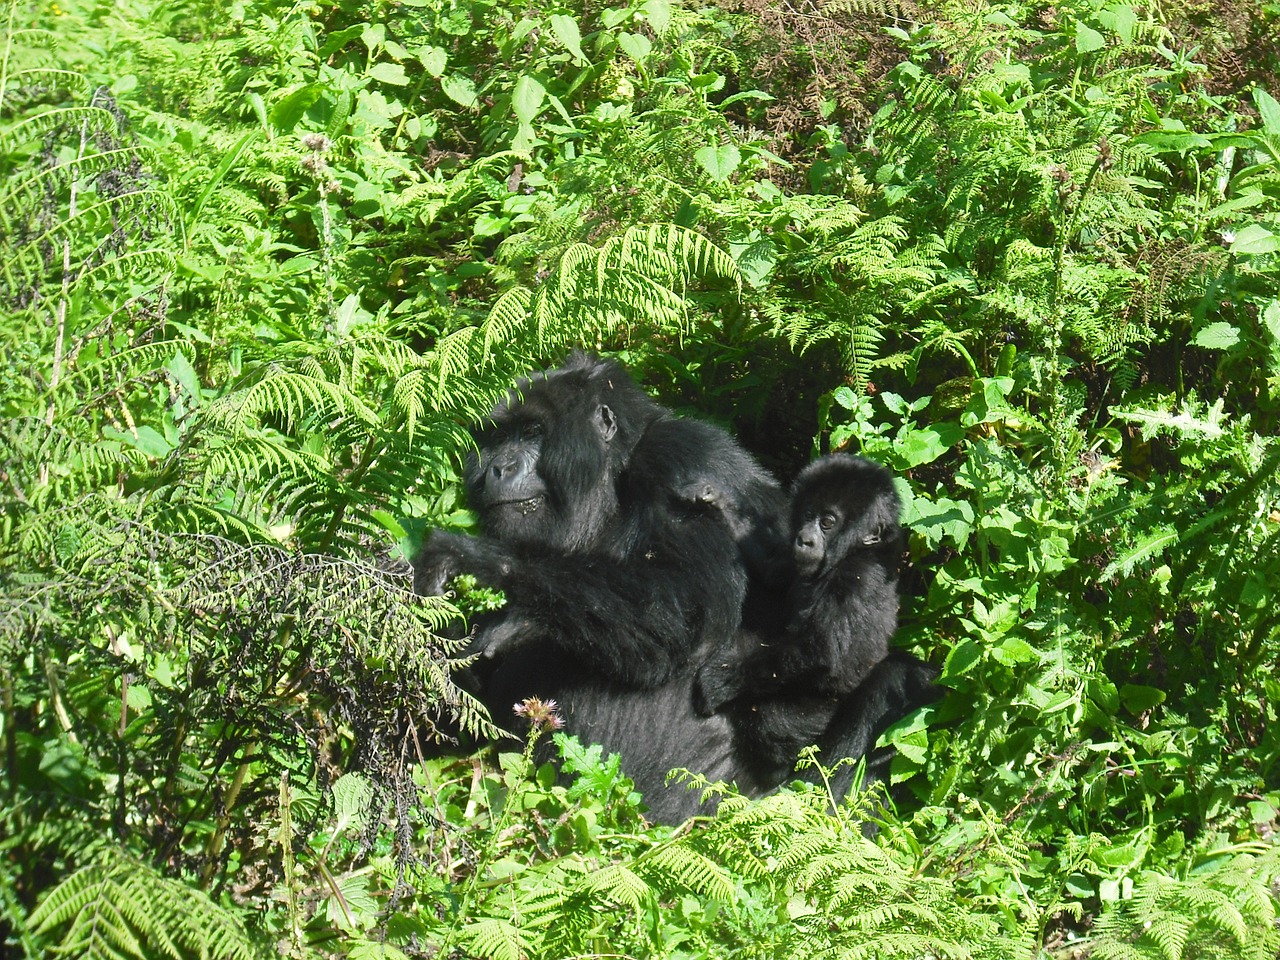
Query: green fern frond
{"x": 682, "y": 866}
{"x": 121, "y": 908}
{"x": 871, "y": 8}
{"x": 497, "y": 939}
{"x": 618, "y": 883}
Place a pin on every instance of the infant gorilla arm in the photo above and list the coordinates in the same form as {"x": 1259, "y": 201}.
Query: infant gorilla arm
{"x": 842, "y": 605}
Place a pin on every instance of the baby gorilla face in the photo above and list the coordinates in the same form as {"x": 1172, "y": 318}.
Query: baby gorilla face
{"x": 812, "y": 543}
{"x": 841, "y": 504}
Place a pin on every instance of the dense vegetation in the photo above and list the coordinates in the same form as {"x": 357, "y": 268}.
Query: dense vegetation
{"x": 260, "y": 264}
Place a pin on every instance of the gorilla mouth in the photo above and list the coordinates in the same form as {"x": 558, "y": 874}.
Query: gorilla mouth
{"x": 525, "y": 507}
{"x": 808, "y": 568}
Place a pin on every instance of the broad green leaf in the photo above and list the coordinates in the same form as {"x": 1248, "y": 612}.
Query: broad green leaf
{"x": 460, "y": 89}
{"x": 1138, "y": 698}
{"x": 1012, "y": 650}
{"x": 1217, "y": 336}
{"x": 635, "y": 45}
{"x": 1120, "y": 20}
{"x": 526, "y": 99}
{"x": 566, "y": 30}
{"x": 935, "y": 520}
{"x": 658, "y": 13}
{"x": 1260, "y": 811}
{"x": 756, "y": 259}
{"x": 392, "y": 73}
{"x": 1271, "y": 319}
{"x": 1103, "y": 692}
{"x": 1174, "y": 140}
{"x": 372, "y": 36}
{"x": 286, "y": 112}
{"x": 145, "y": 439}
{"x": 1268, "y": 109}
{"x": 433, "y": 60}
{"x": 1059, "y": 702}
{"x": 457, "y": 22}
{"x": 1255, "y": 238}
{"x": 961, "y": 659}
{"x": 719, "y": 162}
{"x": 487, "y": 225}
{"x": 185, "y": 374}
{"x": 352, "y": 794}
{"x": 846, "y": 398}
{"x": 1088, "y": 39}
{"x": 927, "y": 445}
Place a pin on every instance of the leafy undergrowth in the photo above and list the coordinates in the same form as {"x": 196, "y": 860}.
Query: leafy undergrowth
{"x": 261, "y": 263}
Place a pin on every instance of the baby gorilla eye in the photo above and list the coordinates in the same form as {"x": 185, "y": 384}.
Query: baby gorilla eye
{"x": 826, "y": 521}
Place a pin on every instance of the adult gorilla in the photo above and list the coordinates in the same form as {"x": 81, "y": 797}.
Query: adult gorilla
{"x": 617, "y": 587}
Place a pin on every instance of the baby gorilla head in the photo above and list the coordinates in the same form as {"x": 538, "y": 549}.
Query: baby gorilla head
{"x": 841, "y": 504}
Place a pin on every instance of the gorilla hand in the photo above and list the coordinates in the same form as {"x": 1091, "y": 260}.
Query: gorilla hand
{"x": 717, "y": 683}
{"x": 500, "y": 636}
{"x": 443, "y": 557}
{"x": 446, "y": 555}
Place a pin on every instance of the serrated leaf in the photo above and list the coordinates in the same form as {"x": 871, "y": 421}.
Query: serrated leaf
{"x": 526, "y": 99}
{"x": 566, "y": 30}
{"x": 392, "y": 73}
{"x": 719, "y": 162}
{"x": 352, "y": 794}
{"x": 1088, "y": 39}
{"x": 961, "y": 659}
{"x": 433, "y": 60}
{"x": 1271, "y": 319}
{"x": 1217, "y": 336}
{"x": 635, "y": 45}
{"x": 460, "y": 89}
{"x": 1120, "y": 20}
{"x": 1013, "y": 651}
{"x": 658, "y": 13}
{"x": 1268, "y": 109}
{"x": 928, "y": 444}
{"x": 1255, "y": 238}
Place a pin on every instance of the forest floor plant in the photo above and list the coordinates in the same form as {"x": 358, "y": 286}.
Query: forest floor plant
{"x": 261, "y": 264}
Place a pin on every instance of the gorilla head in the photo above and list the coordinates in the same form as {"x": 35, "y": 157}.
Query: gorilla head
{"x": 841, "y": 504}
{"x": 549, "y": 458}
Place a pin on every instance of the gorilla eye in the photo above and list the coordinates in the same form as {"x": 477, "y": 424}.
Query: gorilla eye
{"x": 826, "y": 521}
{"x": 531, "y": 430}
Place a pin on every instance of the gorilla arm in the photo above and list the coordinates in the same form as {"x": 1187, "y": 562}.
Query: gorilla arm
{"x": 634, "y": 619}
{"x": 838, "y": 631}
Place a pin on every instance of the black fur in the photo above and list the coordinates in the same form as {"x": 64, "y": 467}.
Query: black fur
{"x": 788, "y": 673}
{"x": 617, "y": 585}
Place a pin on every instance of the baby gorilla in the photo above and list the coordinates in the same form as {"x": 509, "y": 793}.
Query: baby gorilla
{"x": 785, "y": 676}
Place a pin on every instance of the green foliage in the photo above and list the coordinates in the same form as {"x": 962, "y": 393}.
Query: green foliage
{"x": 260, "y": 265}
{"x": 121, "y": 908}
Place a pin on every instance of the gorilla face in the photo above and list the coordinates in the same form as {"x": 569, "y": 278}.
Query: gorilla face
{"x": 545, "y": 467}
{"x": 841, "y": 504}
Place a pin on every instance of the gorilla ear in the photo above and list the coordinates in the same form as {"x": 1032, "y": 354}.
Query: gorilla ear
{"x": 606, "y": 423}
